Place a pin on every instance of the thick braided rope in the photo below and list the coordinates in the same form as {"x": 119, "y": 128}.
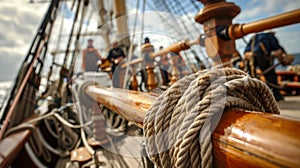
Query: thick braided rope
{"x": 179, "y": 124}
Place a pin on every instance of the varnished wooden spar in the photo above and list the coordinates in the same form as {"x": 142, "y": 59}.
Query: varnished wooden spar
{"x": 174, "y": 48}
{"x": 132, "y": 105}
{"x": 236, "y": 31}
{"x": 241, "y": 139}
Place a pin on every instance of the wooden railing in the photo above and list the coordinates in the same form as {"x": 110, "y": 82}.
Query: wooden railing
{"x": 11, "y": 146}
{"x": 236, "y": 31}
{"x": 241, "y": 139}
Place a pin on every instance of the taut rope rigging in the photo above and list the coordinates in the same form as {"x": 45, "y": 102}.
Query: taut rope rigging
{"x": 178, "y": 126}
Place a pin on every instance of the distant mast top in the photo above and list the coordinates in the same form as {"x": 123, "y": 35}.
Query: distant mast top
{"x": 120, "y": 14}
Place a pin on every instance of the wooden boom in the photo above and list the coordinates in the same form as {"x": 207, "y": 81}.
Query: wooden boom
{"x": 241, "y": 139}
{"x": 236, "y": 31}
{"x": 174, "y": 48}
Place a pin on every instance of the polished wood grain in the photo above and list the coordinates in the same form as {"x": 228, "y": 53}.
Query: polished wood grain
{"x": 241, "y": 139}
{"x": 247, "y": 139}
{"x": 174, "y": 48}
{"x": 11, "y": 146}
{"x": 239, "y": 30}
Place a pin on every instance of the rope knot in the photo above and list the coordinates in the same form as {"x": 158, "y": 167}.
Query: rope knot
{"x": 178, "y": 126}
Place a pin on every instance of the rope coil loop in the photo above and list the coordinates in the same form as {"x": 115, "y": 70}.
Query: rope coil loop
{"x": 179, "y": 124}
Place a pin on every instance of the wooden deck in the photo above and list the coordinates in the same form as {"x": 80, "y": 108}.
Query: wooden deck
{"x": 290, "y": 106}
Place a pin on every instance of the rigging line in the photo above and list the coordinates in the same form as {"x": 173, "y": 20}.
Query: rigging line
{"x": 160, "y": 6}
{"x": 73, "y": 4}
{"x": 21, "y": 80}
{"x": 197, "y": 48}
{"x": 58, "y": 41}
{"x": 86, "y": 28}
{"x": 178, "y": 8}
{"x": 66, "y": 58}
{"x": 78, "y": 107}
{"x": 131, "y": 44}
{"x": 18, "y": 95}
{"x": 71, "y": 34}
{"x": 171, "y": 28}
{"x": 169, "y": 9}
{"x": 170, "y": 25}
{"x": 143, "y": 22}
{"x": 41, "y": 30}
{"x": 177, "y": 12}
{"x": 60, "y": 28}
{"x": 45, "y": 49}
{"x": 181, "y": 9}
{"x": 84, "y": 32}
{"x": 185, "y": 28}
{"x": 76, "y": 50}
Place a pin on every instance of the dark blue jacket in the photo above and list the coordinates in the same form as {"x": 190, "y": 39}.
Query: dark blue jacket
{"x": 268, "y": 39}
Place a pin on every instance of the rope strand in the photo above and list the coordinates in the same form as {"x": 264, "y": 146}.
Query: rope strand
{"x": 178, "y": 126}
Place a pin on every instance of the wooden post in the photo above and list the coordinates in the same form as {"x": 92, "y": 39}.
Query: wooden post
{"x": 147, "y": 49}
{"x": 103, "y": 23}
{"x": 121, "y": 22}
{"x": 175, "y": 72}
{"x": 151, "y": 81}
{"x": 241, "y": 139}
{"x": 134, "y": 83}
{"x": 215, "y": 15}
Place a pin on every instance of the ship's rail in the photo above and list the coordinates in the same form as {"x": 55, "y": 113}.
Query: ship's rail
{"x": 241, "y": 137}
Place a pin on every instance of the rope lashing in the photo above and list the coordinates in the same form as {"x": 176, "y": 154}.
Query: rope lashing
{"x": 179, "y": 124}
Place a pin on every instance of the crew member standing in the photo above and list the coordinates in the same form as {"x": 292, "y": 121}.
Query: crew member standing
{"x": 90, "y": 57}
{"x": 260, "y": 52}
{"x": 115, "y": 56}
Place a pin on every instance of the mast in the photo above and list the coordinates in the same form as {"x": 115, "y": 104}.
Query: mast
{"x": 121, "y": 22}
{"x": 103, "y": 23}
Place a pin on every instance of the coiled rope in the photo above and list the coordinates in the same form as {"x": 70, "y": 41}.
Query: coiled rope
{"x": 178, "y": 126}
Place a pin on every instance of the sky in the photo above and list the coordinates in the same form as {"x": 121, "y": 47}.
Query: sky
{"x": 19, "y": 20}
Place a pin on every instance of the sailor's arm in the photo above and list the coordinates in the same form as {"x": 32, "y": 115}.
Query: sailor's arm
{"x": 283, "y": 57}
{"x": 83, "y": 59}
{"x": 98, "y": 55}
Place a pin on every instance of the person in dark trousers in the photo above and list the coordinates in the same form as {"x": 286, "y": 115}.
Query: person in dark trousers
{"x": 260, "y": 52}
{"x": 90, "y": 57}
{"x": 146, "y": 49}
{"x": 115, "y": 55}
{"x": 164, "y": 65}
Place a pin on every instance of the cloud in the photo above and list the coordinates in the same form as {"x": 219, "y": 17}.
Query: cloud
{"x": 257, "y": 9}
{"x": 9, "y": 63}
{"x": 18, "y": 22}
{"x": 289, "y": 38}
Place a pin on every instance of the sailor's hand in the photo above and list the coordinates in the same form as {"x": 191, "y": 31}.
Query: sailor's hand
{"x": 286, "y": 59}
{"x": 99, "y": 62}
{"x": 118, "y": 60}
{"x": 248, "y": 55}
